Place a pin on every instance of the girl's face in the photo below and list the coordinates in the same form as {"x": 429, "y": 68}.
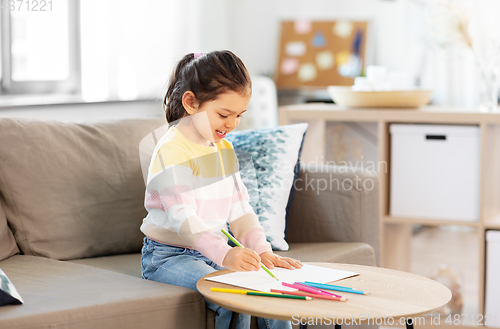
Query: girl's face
{"x": 215, "y": 119}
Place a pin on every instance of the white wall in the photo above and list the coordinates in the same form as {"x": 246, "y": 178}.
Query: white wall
{"x": 126, "y": 49}
{"x": 129, "y": 48}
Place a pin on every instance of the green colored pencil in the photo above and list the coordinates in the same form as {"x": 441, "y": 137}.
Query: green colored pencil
{"x": 259, "y": 293}
{"x": 278, "y": 296}
{"x": 230, "y": 237}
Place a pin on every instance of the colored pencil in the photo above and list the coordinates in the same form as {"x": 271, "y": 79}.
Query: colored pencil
{"x": 260, "y": 293}
{"x": 335, "y": 288}
{"x": 301, "y": 293}
{"x": 304, "y": 288}
{"x": 321, "y": 291}
{"x": 238, "y": 291}
{"x": 236, "y": 242}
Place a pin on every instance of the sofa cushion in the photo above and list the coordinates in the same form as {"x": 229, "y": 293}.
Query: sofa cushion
{"x": 66, "y": 295}
{"x": 73, "y": 190}
{"x": 332, "y": 252}
{"x": 129, "y": 264}
{"x": 8, "y": 246}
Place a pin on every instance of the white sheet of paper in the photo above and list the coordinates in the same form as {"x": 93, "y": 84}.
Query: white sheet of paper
{"x": 262, "y": 281}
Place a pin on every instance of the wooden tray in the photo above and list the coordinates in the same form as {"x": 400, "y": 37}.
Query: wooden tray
{"x": 345, "y": 96}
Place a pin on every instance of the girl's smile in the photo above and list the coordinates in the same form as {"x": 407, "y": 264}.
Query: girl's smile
{"x": 221, "y": 134}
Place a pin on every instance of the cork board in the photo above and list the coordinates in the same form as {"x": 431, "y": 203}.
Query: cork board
{"x": 320, "y": 53}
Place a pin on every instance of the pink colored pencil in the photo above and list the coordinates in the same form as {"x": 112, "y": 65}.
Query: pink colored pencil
{"x": 305, "y": 288}
{"x": 320, "y": 290}
{"x": 301, "y": 293}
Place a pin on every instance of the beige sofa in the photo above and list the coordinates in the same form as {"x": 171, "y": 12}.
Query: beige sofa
{"x": 71, "y": 203}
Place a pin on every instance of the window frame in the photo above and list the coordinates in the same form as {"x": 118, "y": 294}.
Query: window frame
{"x": 71, "y": 85}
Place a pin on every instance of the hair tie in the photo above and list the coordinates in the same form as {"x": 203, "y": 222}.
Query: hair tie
{"x": 196, "y": 55}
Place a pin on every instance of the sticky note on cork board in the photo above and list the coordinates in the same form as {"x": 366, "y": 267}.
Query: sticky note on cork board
{"x": 317, "y": 45}
{"x": 289, "y": 66}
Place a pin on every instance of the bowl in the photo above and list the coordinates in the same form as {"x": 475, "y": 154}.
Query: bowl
{"x": 411, "y": 98}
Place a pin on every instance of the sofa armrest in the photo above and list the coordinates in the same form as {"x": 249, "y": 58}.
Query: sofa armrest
{"x": 335, "y": 204}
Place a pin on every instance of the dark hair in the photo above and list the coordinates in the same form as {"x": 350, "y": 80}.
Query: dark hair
{"x": 207, "y": 76}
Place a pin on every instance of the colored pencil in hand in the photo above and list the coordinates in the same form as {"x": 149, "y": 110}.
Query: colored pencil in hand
{"x": 236, "y": 242}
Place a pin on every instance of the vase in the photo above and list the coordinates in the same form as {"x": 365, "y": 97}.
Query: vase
{"x": 488, "y": 60}
{"x": 489, "y": 89}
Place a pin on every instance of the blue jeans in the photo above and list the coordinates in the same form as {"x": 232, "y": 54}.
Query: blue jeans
{"x": 184, "y": 267}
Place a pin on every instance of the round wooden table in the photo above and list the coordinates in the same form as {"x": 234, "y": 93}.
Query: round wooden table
{"x": 395, "y": 298}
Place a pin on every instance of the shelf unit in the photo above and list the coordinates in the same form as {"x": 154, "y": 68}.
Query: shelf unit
{"x": 396, "y": 232}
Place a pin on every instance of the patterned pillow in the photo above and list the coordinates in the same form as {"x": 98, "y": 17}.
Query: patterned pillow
{"x": 8, "y": 293}
{"x": 269, "y": 166}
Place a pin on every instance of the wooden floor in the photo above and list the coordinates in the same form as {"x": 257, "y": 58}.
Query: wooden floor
{"x": 456, "y": 247}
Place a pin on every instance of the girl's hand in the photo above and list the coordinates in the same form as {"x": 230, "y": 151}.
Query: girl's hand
{"x": 272, "y": 260}
{"x": 241, "y": 259}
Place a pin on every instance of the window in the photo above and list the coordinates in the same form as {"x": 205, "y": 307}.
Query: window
{"x": 40, "y": 46}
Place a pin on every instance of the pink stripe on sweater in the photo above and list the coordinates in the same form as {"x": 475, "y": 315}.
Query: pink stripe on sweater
{"x": 206, "y": 209}
{"x": 177, "y": 194}
{"x": 213, "y": 208}
{"x": 256, "y": 240}
{"x": 213, "y": 247}
{"x": 152, "y": 200}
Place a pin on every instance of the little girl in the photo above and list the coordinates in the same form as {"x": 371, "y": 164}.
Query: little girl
{"x": 194, "y": 188}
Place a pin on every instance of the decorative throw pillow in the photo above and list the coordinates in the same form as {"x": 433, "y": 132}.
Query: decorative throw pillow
{"x": 8, "y": 293}
{"x": 269, "y": 165}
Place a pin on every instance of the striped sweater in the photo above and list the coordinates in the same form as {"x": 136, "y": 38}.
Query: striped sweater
{"x": 192, "y": 191}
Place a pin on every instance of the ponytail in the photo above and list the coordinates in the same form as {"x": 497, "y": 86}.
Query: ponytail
{"x": 172, "y": 101}
{"x": 207, "y": 76}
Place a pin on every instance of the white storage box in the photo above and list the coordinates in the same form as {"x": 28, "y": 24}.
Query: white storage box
{"x": 492, "y": 287}
{"x": 435, "y": 171}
